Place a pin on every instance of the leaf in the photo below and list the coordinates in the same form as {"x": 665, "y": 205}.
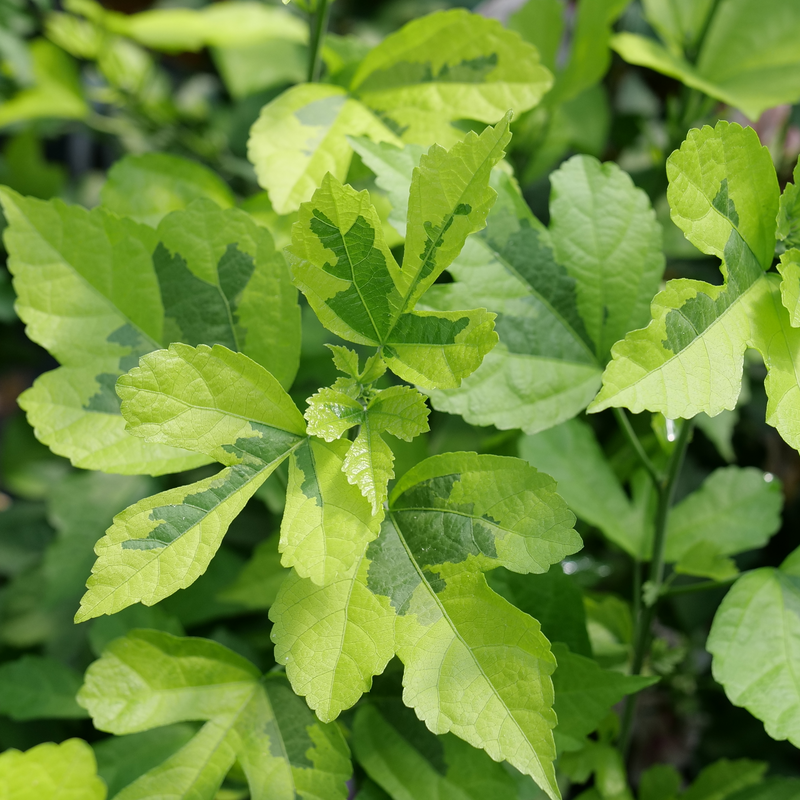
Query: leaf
{"x": 747, "y": 57}
{"x": 755, "y": 646}
{"x": 148, "y": 187}
{"x": 773, "y": 789}
{"x": 563, "y": 295}
{"x": 789, "y": 212}
{"x": 301, "y": 136}
{"x": 678, "y": 23}
{"x": 572, "y": 455}
{"x": 256, "y": 720}
{"x": 410, "y": 763}
{"x": 56, "y": 91}
{"x": 553, "y": 599}
{"x": 723, "y": 193}
{"x": 446, "y": 66}
{"x": 65, "y": 771}
{"x": 327, "y": 523}
{"x": 257, "y": 584}
{"x": 38, "y": 687}
{"x": 213, "y": 401}
{"x": 789, "y": 268}
{"x": 724, "y": 778}
{"x": 660, "y": 782}
{"x": 122, "y": 759}
{"x": 121, "y": 295}
{"x": 705, "y": 560}
{"x": 586, "y": 693}
{"x": 419, "y": 592}
{"x": 736, "y": 509}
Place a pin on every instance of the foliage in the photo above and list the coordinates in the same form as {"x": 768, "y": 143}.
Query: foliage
{"x": 256, "y": 360}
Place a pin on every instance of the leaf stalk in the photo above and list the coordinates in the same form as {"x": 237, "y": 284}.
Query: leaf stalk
{"x": 318, "y": 25}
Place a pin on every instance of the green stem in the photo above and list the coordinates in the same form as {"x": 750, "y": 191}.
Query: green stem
{"x": 319, "y": 26}
{"x": 630, "y": 433}
{"x": 702, "y": 586}
{"x": 644, "y": 623}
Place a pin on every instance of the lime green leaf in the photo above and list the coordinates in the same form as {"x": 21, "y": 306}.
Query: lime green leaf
{"x": 736, "y": 509}
{"x": 724, "y": 778}
{"x": 302, "y": 135}
{"x": 38, "y": 687}
{"x": 222, "y": 281}
{"x": 410, "y": 763}
{"x": 724, "y": 196}
{"x": 572, "y": 455}
{"x": 586, "y": 693}
{"x": 147, "y": 187}
{"x": 327, "y": 523}
{"x": 789, "y": 212}
{"x": 369, "y": 465}
{"x": 755, "y": 644}
{"x": 447, "y": 66}
{"x": 449, "y": 199}
{"x": 418, "y": 591}
{"x": 177, "y": 30}
{"x": 56, "y": 91}
{"x": 747, "y": 57}
{"x": 258, "y": 721}
{"x": 122, "y": 293}
{"x": 789, "y": 268}
{"x": 65, "y": 771}
{"x": 205, "y": 399}
{"x": 332, "y": 412}
{"x": 564, "y": 295}
{"x": 333, "y": 639}
{"x": 678, "y": 22}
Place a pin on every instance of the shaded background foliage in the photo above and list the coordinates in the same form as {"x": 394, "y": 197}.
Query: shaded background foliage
{"x": 51, "y": 514}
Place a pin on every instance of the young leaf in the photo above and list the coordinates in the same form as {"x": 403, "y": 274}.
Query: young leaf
{"x": 327, "y": 523}
{"x": 256, "y": 720}
{"x": 38, "y": 687}
{"x": 419, "y": 592}
{"x": 121, "y": 293}
{"x": 148, "y": 187}
{"x": 446, "y": 66}
{"x": 755, "y": 645}
{"x": 65, "y": 771}
{"x": 340, "y": 261}
{"x": 564, "y": 295}
{"x": 302, "y": 135}
{"x": 724, "y": 195}
{"x": 208, "y": 400}
{"x": 408, "y": 761}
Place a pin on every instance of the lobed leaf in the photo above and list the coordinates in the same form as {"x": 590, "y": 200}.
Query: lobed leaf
{"x": 150, "y": 679}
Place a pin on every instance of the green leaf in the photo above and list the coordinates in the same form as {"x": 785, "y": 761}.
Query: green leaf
{"x": 65, "y": 771}
{"x": 257, "y": 584}
{"x": 122, "y": 759}
{"x": 341, "y": 262}
{"x": 563, "y": 295}
{"x": 736, "y": 509}
{"x": 747, "y": 57}
{"x": 410, "y": 763}
{"x": 446, "y": 66}
{"x": 256, "y": 721}
{"x": 301, "y": 136}
{"x": 586, "y": 693}
{"x": 789, "y": 268}
{"x": 327, "y": 523}
{"x": 38, "y": 687}
{"x": 678, "y": 22}
{"x": 122, "y": 293}
{"x": 724, "y": 779}
{"x": 755, "y": 645}
{"x": 705, "y": 560}
{"x": 56, "y": 91}
{"x": 209, "y": 400}
{"x": 572, "y": 455}
{"x": 724, "y": 195}
{"x": 773, "y": 789}
{"x": 789, "y": 212}
{"x": 418, "y": 591}
{"x": 660, "y": 782}
{"x": 541, "y": 22}
{"x": 147, "y": 187}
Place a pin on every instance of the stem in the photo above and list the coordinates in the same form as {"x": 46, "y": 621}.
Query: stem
{"x": 702, "y": 586}
{"x": 319, "y": 26}
{"x": 630, "y": 434}
{"x": 666, "y": 490}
